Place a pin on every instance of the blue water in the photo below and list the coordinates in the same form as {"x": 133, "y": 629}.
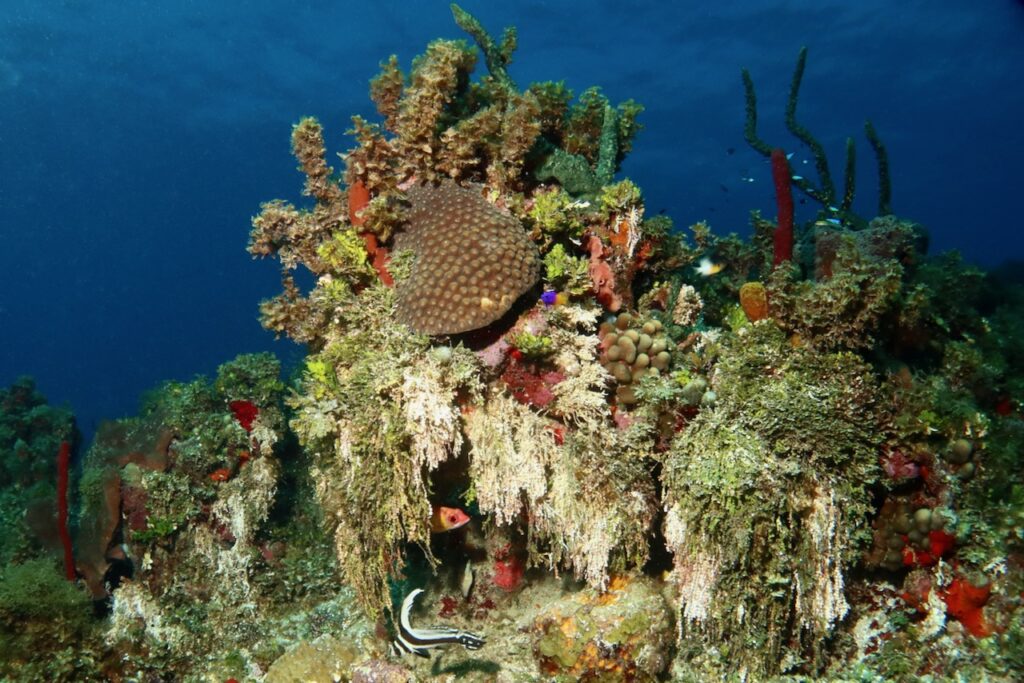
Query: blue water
{"x": 136, "y": 140}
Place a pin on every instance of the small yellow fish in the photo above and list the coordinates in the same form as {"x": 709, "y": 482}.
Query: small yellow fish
{"x": 707, "y": 267}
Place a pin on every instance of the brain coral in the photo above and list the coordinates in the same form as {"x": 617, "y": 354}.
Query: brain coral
{"x": 472, "y": 261}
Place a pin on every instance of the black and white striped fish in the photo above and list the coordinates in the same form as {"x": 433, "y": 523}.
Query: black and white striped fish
{"x": 418, "y": 640}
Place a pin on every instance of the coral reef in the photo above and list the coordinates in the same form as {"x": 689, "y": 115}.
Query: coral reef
{"x": 755, "y": 431}
{"x": 615, "y": 451}
{"x": 382, "y": 408}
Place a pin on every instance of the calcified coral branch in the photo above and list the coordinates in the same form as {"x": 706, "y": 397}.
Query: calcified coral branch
{"x": 435, "y": 82}
{"x": 441, "y": 128}
{"x": 386, "y": 91}
{"x": 520, "y": 127}
{"x": 293, "y": 235}
{"x": 308, "y": 147}
{"x": 372, "y": 162}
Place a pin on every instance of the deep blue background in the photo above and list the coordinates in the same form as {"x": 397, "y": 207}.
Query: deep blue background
{"x": 137, "y": 142}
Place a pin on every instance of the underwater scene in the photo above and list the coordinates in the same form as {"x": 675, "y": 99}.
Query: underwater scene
{"x": 553, "y": 341}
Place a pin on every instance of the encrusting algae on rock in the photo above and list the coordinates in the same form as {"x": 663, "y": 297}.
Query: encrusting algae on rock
{"x": 606, "y": 451}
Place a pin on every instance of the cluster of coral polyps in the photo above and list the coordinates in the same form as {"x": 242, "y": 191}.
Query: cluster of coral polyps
{"x": 472, "y": 261}
{"x": 631, "y": 350}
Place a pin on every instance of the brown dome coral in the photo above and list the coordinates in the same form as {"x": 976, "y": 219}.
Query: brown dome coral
{"x": 472, "y": 261}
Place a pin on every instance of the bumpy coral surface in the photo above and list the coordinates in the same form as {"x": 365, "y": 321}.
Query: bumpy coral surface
{"x": 472, "y": 261}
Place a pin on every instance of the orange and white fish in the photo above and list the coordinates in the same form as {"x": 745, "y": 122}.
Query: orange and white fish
{"x": 447, "y": 519}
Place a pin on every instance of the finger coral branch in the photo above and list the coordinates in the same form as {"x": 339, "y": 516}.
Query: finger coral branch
{"x": 386, "y": 91}
{"x": 437, "y": 79}
{"x": 308, "y": 147}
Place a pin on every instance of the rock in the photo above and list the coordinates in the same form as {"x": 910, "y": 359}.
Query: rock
{"x": 379, "y": 671}
{"x": 624, "y": 634}
{"x": 324, "y": 660}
